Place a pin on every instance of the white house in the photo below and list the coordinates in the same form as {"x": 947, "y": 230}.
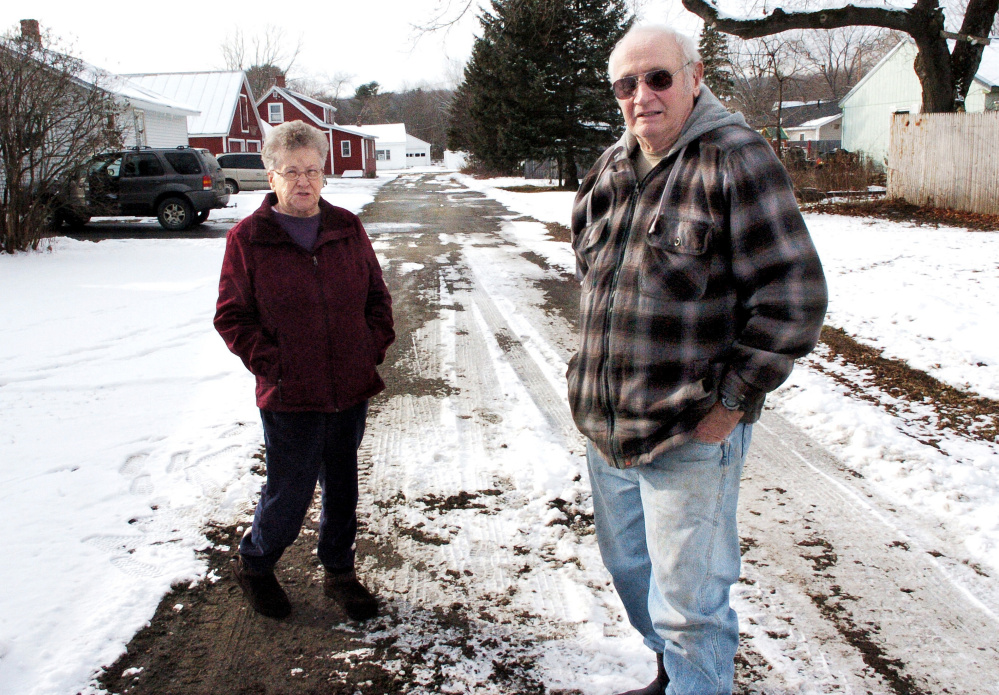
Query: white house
{"x": 826, "y": 128}
{"x": 146, "y": 117}
{"x": 893, "y": 87}
{"x": 395, "y": 148}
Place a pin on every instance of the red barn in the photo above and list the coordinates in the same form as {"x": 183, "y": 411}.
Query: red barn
{"x": 228, "y": 121}
{"x": 352, "y": 153}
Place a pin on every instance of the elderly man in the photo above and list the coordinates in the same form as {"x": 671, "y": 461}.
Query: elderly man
{"x": 700, "y": 286}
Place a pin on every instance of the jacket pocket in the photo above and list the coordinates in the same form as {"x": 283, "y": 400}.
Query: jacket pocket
{"x": 676, "y": 262}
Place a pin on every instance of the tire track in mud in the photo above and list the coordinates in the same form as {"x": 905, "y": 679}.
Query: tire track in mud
{"x": 889, "y": 613}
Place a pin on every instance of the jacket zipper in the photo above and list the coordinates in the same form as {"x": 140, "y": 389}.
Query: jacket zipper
{"x": 622, "y": 252}
{"x": 326, "y": 327}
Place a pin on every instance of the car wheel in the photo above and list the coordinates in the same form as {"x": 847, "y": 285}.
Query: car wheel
{"x": 175, "y": 214}
{"x": 72, "y": 219}
{"x": 203, "y": 216}
{"x": 231, "y": 186}
{"x": 52, "y": 220}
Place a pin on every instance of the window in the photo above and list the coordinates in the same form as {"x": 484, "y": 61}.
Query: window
{"x": 142, "y": 165}
{"x": 184, "y": 163}
{"x": 236, "y": 145}
{"x": 249, "y": 161}
{"x": 383, "y": 155}
{"x": 252, "y": 145}
{"x": 327, "y": 114}
{"x": 345, "y": 148}
{"x": 244, "y": 113}
{"x": 275, "y": 113}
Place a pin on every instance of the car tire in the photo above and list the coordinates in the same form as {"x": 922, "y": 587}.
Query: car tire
{"x": 72, "y": 219}
{"x": 52, "y": 220}
{"x": 231, "y": 187}
{"x": 203, "y": 216}
{"x": 175, "y": 214}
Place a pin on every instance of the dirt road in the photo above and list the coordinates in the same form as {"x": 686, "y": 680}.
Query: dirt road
{"x": 476, "y": 526}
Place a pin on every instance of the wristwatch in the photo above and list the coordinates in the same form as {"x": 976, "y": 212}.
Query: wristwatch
{"x": 731, "y": 403}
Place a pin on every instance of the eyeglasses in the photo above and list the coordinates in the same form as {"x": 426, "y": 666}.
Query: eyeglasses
{"x": 657, "y": 80}
{"x": 294, "y": 175}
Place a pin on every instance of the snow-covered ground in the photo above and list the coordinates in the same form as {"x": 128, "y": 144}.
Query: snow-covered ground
{"x": 127, "y": 426}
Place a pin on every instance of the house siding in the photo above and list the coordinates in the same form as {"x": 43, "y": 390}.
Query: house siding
{"x": 165, "y": 130}
{"x": 245, "y": 126}
{"x": 355, "y": 161}
{"x": 867, "y": 113}
{"x": 215, "y": 144}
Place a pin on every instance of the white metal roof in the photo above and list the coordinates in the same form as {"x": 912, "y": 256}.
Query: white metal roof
{"x": 815, "y": 122}
{"x": 386, "y": 133}
{"x": 214, "y": 94}
{"x": 129, "y": 90}
{"x": 988, "y": 70}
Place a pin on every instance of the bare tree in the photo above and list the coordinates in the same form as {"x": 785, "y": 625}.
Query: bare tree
{"x": 264, "y": 57}
{"x": 327, "y": 88}
{"x": 767, "y": 71}
{"x": 843, "y": 56}
{"x": 945, "y": 75}
{"x": 55, "y": 113}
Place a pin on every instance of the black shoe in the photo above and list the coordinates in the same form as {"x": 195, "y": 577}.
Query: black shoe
{"x": 355, "y": 600}
{"x": 656, "y": 687}
{"x": 262, "y": 591}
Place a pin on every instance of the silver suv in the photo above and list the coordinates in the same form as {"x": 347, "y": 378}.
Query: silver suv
{"x": 180, "y": 186}
{"x": 244, "y": 171}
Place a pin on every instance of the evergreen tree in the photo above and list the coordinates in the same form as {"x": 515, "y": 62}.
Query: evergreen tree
{"x": 536, "y": 84}
{"x": 714, "y": 51}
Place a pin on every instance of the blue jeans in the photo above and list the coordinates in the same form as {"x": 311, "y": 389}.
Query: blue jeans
{"x": 303, "y": 448}
{"x": 668, "y": 536}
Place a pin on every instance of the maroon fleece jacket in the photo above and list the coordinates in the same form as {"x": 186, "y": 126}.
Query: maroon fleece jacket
{"x": 310, "y": 326}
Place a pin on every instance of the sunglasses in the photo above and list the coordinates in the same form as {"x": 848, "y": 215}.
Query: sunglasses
{"x": 657, "y": 81}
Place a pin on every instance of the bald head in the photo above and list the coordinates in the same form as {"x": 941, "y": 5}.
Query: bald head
{"x": 655, "y": 37}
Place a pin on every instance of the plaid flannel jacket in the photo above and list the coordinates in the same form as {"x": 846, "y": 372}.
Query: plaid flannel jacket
{"x": 700, "y": 281}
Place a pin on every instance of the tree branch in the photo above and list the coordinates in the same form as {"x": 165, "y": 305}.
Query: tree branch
{"x": 779, "y": 20}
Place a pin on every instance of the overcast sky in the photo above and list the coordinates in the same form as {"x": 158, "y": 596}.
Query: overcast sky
{"x": 371, "y": 40}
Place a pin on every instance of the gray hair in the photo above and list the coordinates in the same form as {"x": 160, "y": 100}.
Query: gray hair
{"x": 688, "y": 48}
{"x": 293, "y": 135}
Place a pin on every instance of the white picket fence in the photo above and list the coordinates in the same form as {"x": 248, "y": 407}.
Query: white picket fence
{"x": 946, "y": 160}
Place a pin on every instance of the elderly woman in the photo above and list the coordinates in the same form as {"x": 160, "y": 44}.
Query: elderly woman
{"x": 303, "y": 304}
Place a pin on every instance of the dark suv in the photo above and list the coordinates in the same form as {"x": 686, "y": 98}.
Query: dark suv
{"x": 180, "y": 186}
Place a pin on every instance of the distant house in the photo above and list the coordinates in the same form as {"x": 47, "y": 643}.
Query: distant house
{"x": 228, "y": 119}
{"x": 395, "y": 148}
{"x": 893, "y": 87}
{"x": 815, "y": 126}
{"x": 352, "y": 153}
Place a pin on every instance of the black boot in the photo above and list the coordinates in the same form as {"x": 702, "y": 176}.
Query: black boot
{"x": 345, "y": 589}
{"x": 656, "y": 687}
{"x": 262, "y": 591}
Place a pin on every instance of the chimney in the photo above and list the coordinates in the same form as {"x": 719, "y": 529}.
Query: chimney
{"x": 30, "y": 31}
{"x": 279, "y": 80}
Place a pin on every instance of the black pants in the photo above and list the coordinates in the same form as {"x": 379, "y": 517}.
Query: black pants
{"x": 303, "y": 448}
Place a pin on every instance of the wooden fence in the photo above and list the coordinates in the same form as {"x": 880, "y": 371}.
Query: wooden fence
{"x": 946, "y": 160}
